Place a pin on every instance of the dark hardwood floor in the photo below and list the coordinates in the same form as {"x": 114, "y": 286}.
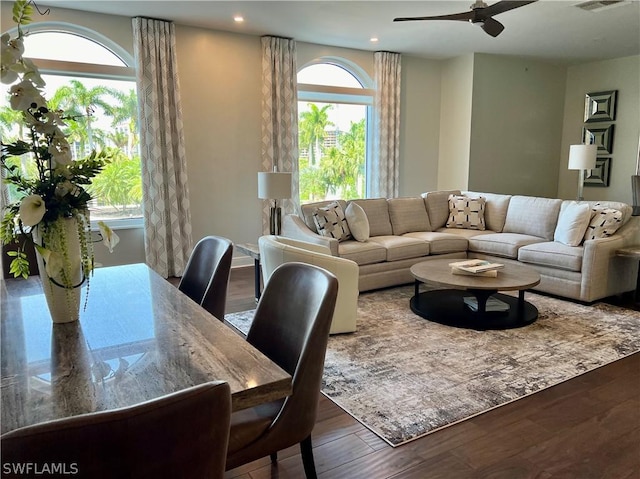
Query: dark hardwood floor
{"x": 586, "y": 428}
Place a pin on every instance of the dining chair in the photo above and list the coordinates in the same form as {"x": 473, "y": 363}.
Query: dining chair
{"x": 206, "y": 276}
{"x": 291, "y": 327}
{"x": 183, "y": 434}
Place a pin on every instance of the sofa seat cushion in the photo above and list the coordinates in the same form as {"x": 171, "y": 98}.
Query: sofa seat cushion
{"x": 440, "y": 243}
{"x": 401, "y": 247}
{"x": 505, "y": 245}
{"x": 552, "y": 254}
{"x": 362, "y": 252}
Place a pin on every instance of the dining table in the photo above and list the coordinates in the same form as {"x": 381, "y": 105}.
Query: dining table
{"x": 138, "y": 338}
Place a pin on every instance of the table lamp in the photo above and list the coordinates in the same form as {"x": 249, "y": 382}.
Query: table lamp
{"x": 274, "y": 186}
{"x": 582, "y": 157}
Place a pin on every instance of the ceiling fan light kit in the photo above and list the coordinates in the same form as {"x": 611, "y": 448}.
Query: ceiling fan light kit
{"x": 480, "y": 14}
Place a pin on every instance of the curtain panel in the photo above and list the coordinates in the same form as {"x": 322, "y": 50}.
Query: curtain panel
{"x": 280, "y": 116}
{"x": 167, "y": 218}
{"x": 385, "y": 176}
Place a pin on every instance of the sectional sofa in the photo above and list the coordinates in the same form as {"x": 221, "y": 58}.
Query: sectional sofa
{"x": 572, "y": 245}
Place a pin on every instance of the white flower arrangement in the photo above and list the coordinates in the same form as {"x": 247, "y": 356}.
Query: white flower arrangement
{"x": 58, "y": 191}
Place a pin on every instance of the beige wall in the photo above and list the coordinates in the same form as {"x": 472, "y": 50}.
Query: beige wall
{"x": 622, "y": 74}
{"x": 455, "y": 123}
{"x": 516, "y": 125}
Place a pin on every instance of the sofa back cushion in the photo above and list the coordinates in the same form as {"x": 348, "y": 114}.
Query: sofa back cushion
{"x": 310, "y": 208}
{"x": 624, "y": 208}
{"x": 408, "y": 215}
{"x": 495, "y": 209}
{"x": 378, "y": 214}
{"x": 437, "y": 203}
{"x": 531, "y": 215}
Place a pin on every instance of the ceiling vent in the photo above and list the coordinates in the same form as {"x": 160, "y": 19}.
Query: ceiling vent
{"x": 599, "y": 5}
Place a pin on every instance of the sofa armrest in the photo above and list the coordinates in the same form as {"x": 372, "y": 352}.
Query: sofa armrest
{"x": 600, "y": 271}
{"x": 317, "y": 248}
{"x": 293, "y": 227}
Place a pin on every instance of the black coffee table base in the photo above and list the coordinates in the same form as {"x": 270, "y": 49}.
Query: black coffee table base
{"x": 446, "y": 306}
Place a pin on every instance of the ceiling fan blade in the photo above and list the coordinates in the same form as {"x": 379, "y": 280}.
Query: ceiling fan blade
{"x": 492, "y": 27}
{"x": 466, "y": 16}
{"x": 504, "y": 6}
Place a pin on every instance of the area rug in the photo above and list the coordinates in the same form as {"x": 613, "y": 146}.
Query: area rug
{"x": 404, "y": 377}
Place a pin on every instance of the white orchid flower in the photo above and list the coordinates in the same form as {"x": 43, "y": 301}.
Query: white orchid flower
{"x": 109, "y": 238}
{"x": 53, "y": 261}
{"x": 62, "y": 189}
{"x": 7, "y": 75}
{"x": 32, "y": 73}
{"x": 12, "y": 47}
{"x": 32, "y": 210}
{"x": 60, "y": 150}
{"x": 24, "y": 95}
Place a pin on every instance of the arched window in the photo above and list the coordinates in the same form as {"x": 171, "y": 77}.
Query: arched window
{"x": 92, "y": 79}
{"x": 334, "y": 130}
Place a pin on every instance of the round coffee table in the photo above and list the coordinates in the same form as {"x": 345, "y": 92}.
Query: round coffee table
{"x": 487, "y": 307}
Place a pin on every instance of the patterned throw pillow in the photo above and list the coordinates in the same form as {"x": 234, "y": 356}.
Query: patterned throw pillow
{"x": 604, "y": 222}
{"x": 330, "y": 222}
{"x": 466, "y": 212}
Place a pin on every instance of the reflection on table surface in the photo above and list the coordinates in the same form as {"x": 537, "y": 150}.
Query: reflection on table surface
{"x": 138, "y": 338}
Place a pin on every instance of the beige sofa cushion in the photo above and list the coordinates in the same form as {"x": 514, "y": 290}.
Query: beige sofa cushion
{"x": 401, "y": 247}
{"x": 572, "y": 223}
{"x": 362, "y": 252}
{"x": 440, "y": 243}
{"x": 604, "y": 222}
{"x": 331, "y": 222}
{"x": 505, "y": 245}
{"x": 495, "y": 209}
{"x": 377, "y": 211}
{"x": 534, "y": 216}
{"x": 552, "y": 254}
{"x": 357, "y": 221}
{"x": 437, "y": 203}
{"x": 408, "y": 214}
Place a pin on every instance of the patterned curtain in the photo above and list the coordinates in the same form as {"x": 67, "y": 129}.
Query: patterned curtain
{"x": 167, "y": 219}
{"x": 384, "y": 179}
{"x": 280, "y": 116}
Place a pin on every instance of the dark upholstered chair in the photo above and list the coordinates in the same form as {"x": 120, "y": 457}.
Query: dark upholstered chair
{"x": 184, "y": 434}
{"x": 206, "y": 275}
{"x": 291, "y": 327}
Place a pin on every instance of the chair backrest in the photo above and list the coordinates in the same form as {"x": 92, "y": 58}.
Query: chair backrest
{"x": 184, "y": 434}
{"x": 291, "y": 327}
{"x": 206, "y": 276}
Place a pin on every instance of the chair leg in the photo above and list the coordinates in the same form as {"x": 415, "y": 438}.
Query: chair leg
{"x": 306, "y": 450}
{"x": 274, "y": 457}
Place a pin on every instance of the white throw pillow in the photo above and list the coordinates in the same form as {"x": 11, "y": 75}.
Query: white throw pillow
{"x": 466, "y": 212}
{"x": 604, "y": 222}
{"x": 357, "y": 221}
{"x": 330, "y": 222}
{"x": 572, "y": 223}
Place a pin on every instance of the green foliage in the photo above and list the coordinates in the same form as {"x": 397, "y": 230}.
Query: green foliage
{"x": 19, "y": 264}
{"x": 120, "y": 183}
{"x": 22, "y": 11}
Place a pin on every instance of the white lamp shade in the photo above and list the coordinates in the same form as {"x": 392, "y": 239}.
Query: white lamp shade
{"x": 582, "y": 157}
{"x": 274, "y": 185}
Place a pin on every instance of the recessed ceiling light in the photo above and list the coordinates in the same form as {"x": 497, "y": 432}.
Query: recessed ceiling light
{"x": 238, "y": 19}
{"x": 373, "y": 39}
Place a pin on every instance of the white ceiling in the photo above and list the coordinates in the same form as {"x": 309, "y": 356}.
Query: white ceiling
{"x": 555, "y": 30}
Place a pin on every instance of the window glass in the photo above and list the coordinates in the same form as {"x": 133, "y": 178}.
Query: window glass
{"x": 101, "y": 114}
{"x": 333, "y": 128}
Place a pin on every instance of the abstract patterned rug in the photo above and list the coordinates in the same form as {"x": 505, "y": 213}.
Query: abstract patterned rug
{"x": 404, "y": 377}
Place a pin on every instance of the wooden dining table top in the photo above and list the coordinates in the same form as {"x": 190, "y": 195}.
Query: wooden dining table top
{"x": 138, "y": 338}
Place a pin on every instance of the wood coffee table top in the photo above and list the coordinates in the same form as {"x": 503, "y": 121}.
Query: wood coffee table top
{"x": 511, "y": 277}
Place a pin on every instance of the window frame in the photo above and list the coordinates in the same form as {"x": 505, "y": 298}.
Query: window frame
{"x": 88, "y": 70}
{"x": 365, "y": 96}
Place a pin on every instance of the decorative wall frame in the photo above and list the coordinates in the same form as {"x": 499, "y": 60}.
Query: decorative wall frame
{"x": 600, "y": 106}
{"x": 603, "y": 137}
{"x": 600, "y": 174}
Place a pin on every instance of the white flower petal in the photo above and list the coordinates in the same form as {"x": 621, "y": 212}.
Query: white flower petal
{"x": 32, "y": 210}
{"x": 109, "y": 238}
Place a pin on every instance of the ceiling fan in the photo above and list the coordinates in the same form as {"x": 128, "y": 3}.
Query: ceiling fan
{"x": 480, "y": 13}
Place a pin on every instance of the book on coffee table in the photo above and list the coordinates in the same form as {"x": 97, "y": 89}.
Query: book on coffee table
{"x": 476, "y": 266}
{"x": 487, "y": 274}
{"x": 493, "y": 304}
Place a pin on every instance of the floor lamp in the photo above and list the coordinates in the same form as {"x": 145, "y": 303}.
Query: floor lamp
{"x": 582, "y": 157}
{"x": 274, "y": 186}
